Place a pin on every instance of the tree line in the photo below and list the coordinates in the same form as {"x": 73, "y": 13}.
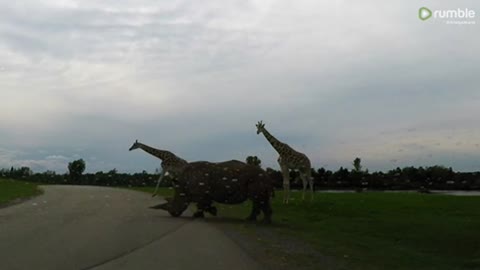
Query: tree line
{"x": 407, "y": 178}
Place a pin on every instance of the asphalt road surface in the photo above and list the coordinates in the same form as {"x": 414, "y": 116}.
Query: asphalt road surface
{"x": 82, "y": 227}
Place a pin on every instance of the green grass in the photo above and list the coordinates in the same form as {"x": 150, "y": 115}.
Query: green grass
{"x": 384, "y": 230}
{"x": 376, "y": 230}
{"x": 11, "y": 190}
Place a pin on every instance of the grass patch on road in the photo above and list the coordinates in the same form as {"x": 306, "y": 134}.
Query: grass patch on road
{"x": 12, "y": 190}
{"x": 371, "y": 230}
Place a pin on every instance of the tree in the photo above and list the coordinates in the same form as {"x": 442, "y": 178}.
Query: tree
{"x": 76, "y": 168}
{"x": 341, "y": 175}
{"x": 357, "y": 167}
{"x": 254, "y": 160}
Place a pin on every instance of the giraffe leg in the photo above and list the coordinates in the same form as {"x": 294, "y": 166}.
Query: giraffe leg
{"x": 286, "y": 187}
{"x": 286, "y": 184}
{"x": 158, "y": 183}
{"x": 310, "y": 183}
{"x": 308, "y": 180}
{"x": 304, "y": 182}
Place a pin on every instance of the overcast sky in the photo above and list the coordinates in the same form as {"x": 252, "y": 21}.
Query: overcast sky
{"x": 333, "y": 79}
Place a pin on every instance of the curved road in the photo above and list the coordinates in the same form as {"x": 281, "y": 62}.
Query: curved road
{"x": 83, "y": 227}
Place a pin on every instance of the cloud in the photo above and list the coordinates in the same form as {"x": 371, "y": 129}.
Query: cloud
{"x": 56, "y": 157}
{"x": 332, "y": 79}
{"x": 14, "y": 158}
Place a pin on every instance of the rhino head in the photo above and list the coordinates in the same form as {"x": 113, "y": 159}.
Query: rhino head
{"x": 174, "y": 206}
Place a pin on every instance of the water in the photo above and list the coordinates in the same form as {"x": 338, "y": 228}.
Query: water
{"x": 443, "y": 192}
{"x": 457, "y": 192}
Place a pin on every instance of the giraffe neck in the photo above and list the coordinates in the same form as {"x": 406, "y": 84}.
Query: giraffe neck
{"x": 161, "y": 154}
{"x": 276, "y": 144}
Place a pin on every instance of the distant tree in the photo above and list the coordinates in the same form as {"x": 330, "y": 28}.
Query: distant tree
{"x": 254, "y": 160}
{"x": 18, "y": 173}
{"x": 25, "y": 171}
{"x": 319, "y": 177}
{"x": 439, "y": 174}
{"x": 357, "y": 166}
{"x": 76, "y": 168}
{"x": 342, "y": 176}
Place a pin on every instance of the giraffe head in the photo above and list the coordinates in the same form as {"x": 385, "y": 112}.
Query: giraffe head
{"x": 260, "y": 127}
{"x": 135, "y": 145}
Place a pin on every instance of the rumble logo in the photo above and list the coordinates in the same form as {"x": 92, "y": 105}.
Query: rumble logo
{"x": 449, "y": 16}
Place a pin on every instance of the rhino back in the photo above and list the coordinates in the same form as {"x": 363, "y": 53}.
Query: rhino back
{"x": 229, "y": 185}
{"x": 228, "y": 182}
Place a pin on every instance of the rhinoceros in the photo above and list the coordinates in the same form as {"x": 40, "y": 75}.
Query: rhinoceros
{"x": 229, "y": 182}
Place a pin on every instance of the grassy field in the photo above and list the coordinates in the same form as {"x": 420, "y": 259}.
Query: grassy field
{"x": 372, "y": 230}
{"x": 11, "y": 190}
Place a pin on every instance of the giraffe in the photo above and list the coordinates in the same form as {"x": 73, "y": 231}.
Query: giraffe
{"x": 289, "y": 159}
{"x": 170, "y": 162}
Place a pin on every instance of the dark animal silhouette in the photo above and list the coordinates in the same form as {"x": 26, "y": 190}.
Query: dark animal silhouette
{"x": 229, "y": 182}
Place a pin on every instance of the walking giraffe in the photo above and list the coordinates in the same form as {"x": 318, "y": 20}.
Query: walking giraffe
{"x": 170, "y": 162}
{"x": 289, "y": 159}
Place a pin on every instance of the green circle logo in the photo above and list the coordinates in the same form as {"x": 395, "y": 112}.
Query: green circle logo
{"x": 424, "y": 13}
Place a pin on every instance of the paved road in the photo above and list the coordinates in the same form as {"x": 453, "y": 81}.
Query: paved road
{"x": 80, "y": 227}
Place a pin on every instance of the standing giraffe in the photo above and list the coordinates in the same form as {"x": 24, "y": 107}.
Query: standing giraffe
{"x": 289, "y": 159}
{"x": 170, "y": 162}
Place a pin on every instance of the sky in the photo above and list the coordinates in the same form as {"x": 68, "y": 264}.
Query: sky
{"x": 333, "y": 79}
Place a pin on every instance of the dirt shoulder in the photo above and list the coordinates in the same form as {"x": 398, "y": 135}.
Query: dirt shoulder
{"x": 272, "y": 249}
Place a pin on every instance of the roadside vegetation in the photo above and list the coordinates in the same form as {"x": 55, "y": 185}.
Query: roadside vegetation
{"x": 12, "y": 190}
{"x": 408, "y": 178}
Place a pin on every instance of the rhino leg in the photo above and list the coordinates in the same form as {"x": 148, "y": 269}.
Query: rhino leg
{"x": 255, "y": 211}
{"x": 261, "y": 206}
{"x": 212, "y": 210}
{"x": 205, "y": 206}
{"x": 201, "y": 208}
{"x": 267, "y": 212}
{"x": 199, "y": 214}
